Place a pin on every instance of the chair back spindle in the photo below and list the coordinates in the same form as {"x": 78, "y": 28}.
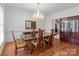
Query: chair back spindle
{"x": 52, "y": 30}
{"x": 13, "y": 36}
{"x": 40, "y": 36}
{"x": 33, "y": 32}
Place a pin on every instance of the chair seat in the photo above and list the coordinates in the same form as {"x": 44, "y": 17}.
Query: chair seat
{"x": 57, "y": 36}
{"x": 21, "y": 45}
{"x": 34, "y": 42}
{"x": 46, "y": 39}
{"x": 20, "y": 40}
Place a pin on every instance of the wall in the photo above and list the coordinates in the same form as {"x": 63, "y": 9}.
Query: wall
{"x": 49, "y": 23}
{"x": 15, "y": 20}
{"x": 51, "y": 18}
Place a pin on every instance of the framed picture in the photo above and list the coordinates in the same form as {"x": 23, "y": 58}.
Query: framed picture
{"x": 30, "y": 24}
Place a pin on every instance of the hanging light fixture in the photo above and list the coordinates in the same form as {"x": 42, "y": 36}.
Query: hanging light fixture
{"x": 38, "y": 15}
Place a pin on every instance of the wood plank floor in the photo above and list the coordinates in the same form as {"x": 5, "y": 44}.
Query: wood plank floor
{"x": 59, "y": 49}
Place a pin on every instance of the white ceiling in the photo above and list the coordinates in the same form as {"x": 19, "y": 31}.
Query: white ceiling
{"x": 45, "y": 8}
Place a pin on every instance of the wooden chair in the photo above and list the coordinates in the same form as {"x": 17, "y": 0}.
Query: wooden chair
{"x": 19, "y": 43}
{"x": 38, "y": 42}
{"x": 48, "y": 41}
{"x": 33, "y": 33}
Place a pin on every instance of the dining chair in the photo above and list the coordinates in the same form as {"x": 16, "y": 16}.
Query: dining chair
{"x": 19, "y": 43}
{"x": 33, "y": 32}
{"x": 38, "y": 42}
{"x": 48, "y": 41}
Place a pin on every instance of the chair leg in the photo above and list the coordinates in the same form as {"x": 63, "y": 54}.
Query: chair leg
{"x": 45, "y": 45}
{"x": 25, "y": 50}
{"x": 15, "y": 52}
{"x": 32, "y": 48}
{"x": 37, "y": 50}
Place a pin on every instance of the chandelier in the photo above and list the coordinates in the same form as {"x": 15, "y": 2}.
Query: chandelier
{"x": 38, "y": 15}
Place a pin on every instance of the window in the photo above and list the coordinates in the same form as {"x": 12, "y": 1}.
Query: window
{"x": 1, "y": 26}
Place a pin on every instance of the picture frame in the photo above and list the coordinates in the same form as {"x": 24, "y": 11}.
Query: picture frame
{"x": 30, "y": 24}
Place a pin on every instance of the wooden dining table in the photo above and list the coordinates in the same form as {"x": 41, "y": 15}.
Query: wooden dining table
{"x": 28, "y": 36}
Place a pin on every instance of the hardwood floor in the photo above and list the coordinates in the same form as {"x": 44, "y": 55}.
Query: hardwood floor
{"x": 59, "y": 49}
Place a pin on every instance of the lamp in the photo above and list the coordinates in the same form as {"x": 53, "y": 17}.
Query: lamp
{"x": 38, "y": 15}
